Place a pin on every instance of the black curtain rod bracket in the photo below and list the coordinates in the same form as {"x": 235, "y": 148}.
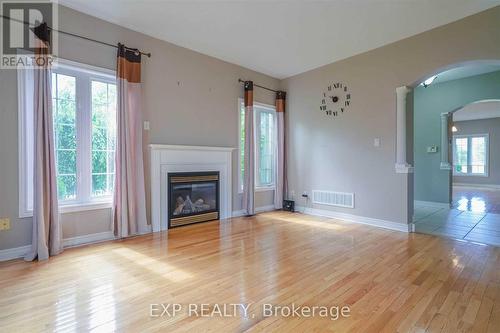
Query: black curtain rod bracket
{"x": 256, "y": 85}
{"x": 147, "y": 54}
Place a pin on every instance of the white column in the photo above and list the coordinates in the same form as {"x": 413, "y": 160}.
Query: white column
{"x": 445, "y": 162}
{"x": 401, "y": 165}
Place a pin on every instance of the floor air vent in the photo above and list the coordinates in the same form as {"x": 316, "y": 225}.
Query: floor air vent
{"x": 339, "y": 199}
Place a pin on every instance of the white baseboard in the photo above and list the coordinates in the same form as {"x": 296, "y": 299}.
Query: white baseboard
{"x": 20, "y": 252}
{"x": 238, "y": 213}
{"x": 485, "y": 186}
{"x": 14, "y": 253}
{"x": 356, "y": 219}
{"x": 88, "y": 239}
{"x": 432, "y": 204}
{"x": 262, "y": 209}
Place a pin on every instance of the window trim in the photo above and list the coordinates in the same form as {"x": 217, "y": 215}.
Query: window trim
{"x": 268, "y": 107}
{"x": 469, "y": 141}
{"x": 62, "y": 66}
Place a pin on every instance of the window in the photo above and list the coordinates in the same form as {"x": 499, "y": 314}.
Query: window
{"x": 265, "y": 145}
{"x": 470, "y": 155}
{"x": 84, "y": 119}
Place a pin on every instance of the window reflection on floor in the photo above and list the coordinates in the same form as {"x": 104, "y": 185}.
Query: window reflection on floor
{"x": 475, "y": 204}
{"x": 474, "y": 216}
{"x": 484, "y": 200}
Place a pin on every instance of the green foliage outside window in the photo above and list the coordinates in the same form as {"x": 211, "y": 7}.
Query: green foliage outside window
{"x": 103, "y": 113}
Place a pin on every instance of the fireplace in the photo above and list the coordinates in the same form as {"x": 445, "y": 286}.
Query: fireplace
{"x": 193, "y": 197}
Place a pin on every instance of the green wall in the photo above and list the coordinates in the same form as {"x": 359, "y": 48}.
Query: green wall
{"x": 432, "y": 183}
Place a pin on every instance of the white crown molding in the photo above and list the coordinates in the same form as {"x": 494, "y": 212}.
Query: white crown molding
{"x": 402, "y": 227}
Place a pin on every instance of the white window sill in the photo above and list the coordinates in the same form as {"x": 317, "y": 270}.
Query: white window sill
{"x": 85, "y": 206}
{"x": 260, "y": 189}
{"x": 72, "y": 208}
{"x": 264, "y": 188}
{"x": 469, "y": 175}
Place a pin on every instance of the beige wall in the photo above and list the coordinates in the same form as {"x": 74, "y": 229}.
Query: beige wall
{"x": 338, "y": 154}
{"x": 189, "y": 98}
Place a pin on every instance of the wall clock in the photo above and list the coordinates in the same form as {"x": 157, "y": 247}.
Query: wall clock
{"x": 336, "y": 99}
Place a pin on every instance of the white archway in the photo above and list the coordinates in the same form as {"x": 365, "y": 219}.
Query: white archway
{"x": 402, "y": 166}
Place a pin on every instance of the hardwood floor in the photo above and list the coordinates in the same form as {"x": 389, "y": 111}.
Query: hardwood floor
{"x": 391, "y": 281}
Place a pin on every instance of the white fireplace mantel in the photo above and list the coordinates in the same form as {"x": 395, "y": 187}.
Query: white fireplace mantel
{"x": 175, "y": 158}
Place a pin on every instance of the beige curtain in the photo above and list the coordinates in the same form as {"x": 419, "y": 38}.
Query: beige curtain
{"x": 129, "y": 213}
{"x": 281, "y": 182}
{"x": 249, "y": 162}
{"x": 47, "y": 230}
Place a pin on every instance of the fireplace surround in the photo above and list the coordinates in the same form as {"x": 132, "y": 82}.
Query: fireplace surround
{"x": 193, "y": 197}
{"x": 166, "y": 159}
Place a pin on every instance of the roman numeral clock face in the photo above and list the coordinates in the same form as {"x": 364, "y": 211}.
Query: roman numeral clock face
{"x": 336, "y": 100}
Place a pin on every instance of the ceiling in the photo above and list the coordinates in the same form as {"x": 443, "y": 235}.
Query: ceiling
{"x": 467, "y": 71}
{"x": 281, "y": 38}
{"x": 479, "y": 110}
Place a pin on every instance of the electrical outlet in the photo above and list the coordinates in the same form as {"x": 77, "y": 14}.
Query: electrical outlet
{"x": 5, "y": 224}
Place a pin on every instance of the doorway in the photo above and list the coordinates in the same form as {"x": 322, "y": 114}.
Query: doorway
{"x": 456, "y": 121}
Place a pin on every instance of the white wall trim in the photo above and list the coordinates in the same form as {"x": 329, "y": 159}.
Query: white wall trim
{"x": 20, "y": 252}
{"x": 14, "y": 253}
{"x": 267, "y": 208}
{"x": 180, "y": 147}
{"x": 88, "y": 239}
{"x": 404, "y": 168}
{"x": 356, "y": 219}
{"x": 480, "y": 186}
{"x": 432, "y": 204}
{"x": 238, "y": 213}
{"x": 262, "y": 209}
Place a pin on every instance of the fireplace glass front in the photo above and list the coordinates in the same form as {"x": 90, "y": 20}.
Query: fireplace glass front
{"x": 193, "y": 197}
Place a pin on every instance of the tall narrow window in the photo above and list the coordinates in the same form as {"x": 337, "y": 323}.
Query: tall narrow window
{"x": 241, "y": 132}
{"x": 461, "y": 153}
{"x": 265, "y": 145}
{"x": 64, "y": 114}
{"x": 103, "y": 138}
{"x": 470, "y": 155}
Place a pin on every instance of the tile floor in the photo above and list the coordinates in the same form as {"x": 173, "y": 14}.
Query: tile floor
{"x": 472, "y": 218}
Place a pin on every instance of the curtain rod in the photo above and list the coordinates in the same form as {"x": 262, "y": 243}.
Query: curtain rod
{"x": 148, "y": 54}
{"x": 242, "y": 81}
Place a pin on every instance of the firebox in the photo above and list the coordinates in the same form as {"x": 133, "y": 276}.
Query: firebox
{"x": 193, "y": 197}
